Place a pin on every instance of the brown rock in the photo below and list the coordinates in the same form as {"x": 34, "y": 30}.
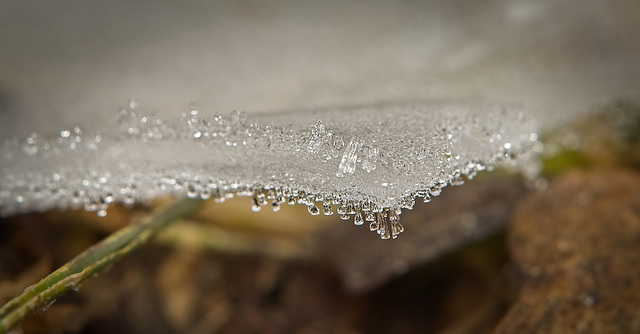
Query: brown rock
{"x": 578, "y": 243}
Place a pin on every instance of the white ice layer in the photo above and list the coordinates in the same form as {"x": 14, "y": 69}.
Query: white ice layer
{"x": 367, "y": 162}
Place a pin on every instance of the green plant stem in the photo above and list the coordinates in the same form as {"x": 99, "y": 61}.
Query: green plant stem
{"x": 98, "y": 257}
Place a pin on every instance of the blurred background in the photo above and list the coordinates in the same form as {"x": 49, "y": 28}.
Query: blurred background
{"x": 71, "y": 62}
{"x": 456, "y": 269}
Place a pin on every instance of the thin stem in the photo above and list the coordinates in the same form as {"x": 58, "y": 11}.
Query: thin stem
{"x": 98, "y": 257}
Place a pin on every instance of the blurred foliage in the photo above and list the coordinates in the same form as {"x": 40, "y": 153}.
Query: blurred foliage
{"x": 608, "y": 137}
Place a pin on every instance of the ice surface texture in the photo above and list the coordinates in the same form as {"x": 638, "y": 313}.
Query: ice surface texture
{"x": 367, "y": 162}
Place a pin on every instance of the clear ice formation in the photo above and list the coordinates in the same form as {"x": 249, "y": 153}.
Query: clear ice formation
{"x": 368, "y": 163}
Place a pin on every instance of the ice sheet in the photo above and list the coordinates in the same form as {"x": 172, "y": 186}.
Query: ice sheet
{"x": 370, "y": 162}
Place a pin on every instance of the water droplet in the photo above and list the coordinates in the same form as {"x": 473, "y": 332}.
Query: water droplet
{"x": 261, "y": 199}
{"x": 129, "y": 199}
{"x": 205, "y": 193}
{"x": 408, "y": 202}
{"x": 386, "y": 234}
{"x": 313, "y": 210}
{"x": 326, "y": 209}
{"x": 271, "y": 194}
{"x": 191, "y": 191}
{"x": 370, "y": 216}
{"x": 358, "y": 220}
{"x": 31, "y": 145}
{"x": 448, "y": 156}
{"x": 108, "y": 198}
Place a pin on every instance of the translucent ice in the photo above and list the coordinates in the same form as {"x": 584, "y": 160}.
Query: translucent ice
{"x": 369, "y": 162}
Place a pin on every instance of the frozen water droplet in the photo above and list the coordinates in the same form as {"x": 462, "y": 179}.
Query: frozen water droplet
{"x": 397, "y": 228}
{"x": 370, "y": 216}
{"x": 448, "y": 156}
{"x": 386, "y": 234}
{"x": 205, "y": 193}
{"x": 408, "y": 202}
{"x": 108, "y": 198}
{"x": 191, "y": 191}
{"x": 30, "y": 146}
{"x": 326, "y": 209}
{"x": 358, "y": 220}
{"x": 292, "y": 200}
{"x": 276, "y": 206}
{"x": 128, "y": 199}
{"x": 313, "y": 210}
{"x": 271, "y": 194}
{"x": 261, "y": 199}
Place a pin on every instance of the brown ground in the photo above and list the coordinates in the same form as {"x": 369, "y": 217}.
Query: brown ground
{"x": 279, "y": 273}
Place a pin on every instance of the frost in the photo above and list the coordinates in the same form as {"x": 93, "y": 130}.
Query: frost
{"x": 369, "y": 163}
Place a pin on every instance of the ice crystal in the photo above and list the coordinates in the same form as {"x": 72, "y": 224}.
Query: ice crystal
{"x": 369, "y": 163}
